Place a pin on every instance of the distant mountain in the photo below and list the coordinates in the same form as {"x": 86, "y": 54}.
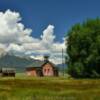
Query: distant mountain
{"x": 20, "y": 63}
{"x": 61, "y": 66}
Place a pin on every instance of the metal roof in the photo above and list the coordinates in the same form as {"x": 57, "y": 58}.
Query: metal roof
{"x": 40, "y": 64}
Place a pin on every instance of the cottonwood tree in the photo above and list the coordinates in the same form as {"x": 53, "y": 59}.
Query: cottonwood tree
{"x": 83, "y": 49}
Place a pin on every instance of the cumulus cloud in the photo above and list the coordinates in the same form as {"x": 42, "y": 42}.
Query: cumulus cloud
{"x": 16, "y": 39}
{"x": 48, "y": 36}
{"x": 12, "y": 31}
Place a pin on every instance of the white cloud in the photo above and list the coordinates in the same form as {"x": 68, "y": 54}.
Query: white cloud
{"x": 11, "y": 30}
{"x": 48, "y": 36}
{"x": 16, "y": 39}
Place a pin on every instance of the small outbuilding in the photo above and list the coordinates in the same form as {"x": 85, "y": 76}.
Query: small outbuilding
{"x": 45, "y": 68}
{"x": 10, "y": 72}
{"x": 34, "y": 71}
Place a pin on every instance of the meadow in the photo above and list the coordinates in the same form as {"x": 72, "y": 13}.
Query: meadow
{"x": 49, "y": 88}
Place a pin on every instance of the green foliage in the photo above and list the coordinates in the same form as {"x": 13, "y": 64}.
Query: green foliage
{"x": 83, "y": 49}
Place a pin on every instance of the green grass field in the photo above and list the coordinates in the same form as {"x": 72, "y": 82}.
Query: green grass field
{"x": 29, "y": 88}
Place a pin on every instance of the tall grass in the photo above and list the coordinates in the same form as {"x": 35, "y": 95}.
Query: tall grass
{"x": 48, "y": 88}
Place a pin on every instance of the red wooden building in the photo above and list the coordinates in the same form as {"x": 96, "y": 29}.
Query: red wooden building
{"x": 10, "y": 72}
{"x": 45, "y": 68}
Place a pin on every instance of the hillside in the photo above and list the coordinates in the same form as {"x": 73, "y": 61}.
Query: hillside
{"x": 20, "y": 63}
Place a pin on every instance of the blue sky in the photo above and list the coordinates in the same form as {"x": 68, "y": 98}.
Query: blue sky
{"x": 49, "y": 21}
{"x": 37, "y": 14}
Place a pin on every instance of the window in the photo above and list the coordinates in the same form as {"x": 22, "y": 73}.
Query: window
{"x": 45, "y": 70}
{"x": 48, "y": 70}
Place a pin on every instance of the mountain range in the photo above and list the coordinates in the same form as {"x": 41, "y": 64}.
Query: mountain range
{"x": 19, "y": 63}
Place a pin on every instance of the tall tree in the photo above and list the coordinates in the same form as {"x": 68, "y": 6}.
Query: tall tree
{"x": 83, "y": 49}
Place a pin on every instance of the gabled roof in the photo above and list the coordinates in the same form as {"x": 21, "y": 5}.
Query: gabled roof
{"x": 53, "y": 65}
{"x": 37, "y": 65}
{"x": 32, "y": 68}
{"x": 10, "y": 70}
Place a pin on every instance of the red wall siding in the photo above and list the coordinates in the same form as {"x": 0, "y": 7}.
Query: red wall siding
{"x": 48, "y": 70}
{"x": 31, "y": 73}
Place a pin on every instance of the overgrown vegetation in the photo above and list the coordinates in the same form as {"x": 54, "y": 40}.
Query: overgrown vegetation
{"x": 84, "y": 49}
{"x": 29, "y": 88}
